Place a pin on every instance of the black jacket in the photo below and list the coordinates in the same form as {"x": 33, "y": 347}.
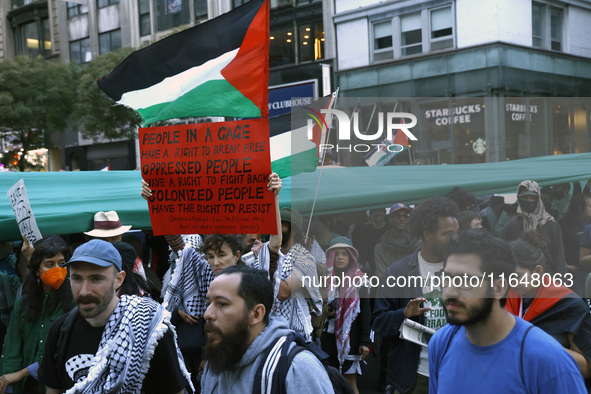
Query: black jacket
{"x": 387, "y": 317}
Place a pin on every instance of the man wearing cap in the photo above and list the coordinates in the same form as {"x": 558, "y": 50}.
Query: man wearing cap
{"x": 295, "y": 279}
{"x": 110, "y": 344}
{"x": 533, "y": 218}
{"x": 397, "y": 242}
{"x": 434, "y": 221}
{"x": 108, "y": 227}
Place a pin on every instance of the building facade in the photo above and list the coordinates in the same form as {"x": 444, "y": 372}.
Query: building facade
{"x": 491, "y": 80}
{"x": 80, "y": 31}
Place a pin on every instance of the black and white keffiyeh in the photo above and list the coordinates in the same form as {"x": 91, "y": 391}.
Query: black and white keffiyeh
{"x": 296, "y": 309}
{"x": 189, "y": 283}
{"x": 126, "y": 348}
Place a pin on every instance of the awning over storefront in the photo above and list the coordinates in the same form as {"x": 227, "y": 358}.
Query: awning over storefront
{"x": 65, "y": 202}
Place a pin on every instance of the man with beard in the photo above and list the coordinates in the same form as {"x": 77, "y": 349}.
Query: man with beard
{"x": 294, "y": 277}
{"x": 240, "y": 330}
{"x": 112, "y": 344}
{"x": 434, "y": 221}
{"x": 486, "y": 349}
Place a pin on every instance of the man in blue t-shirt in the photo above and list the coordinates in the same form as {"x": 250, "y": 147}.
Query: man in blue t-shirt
{"x": 486, "y": 349}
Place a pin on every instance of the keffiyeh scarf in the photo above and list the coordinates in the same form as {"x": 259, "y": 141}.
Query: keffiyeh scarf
{"x": 296, "y": 309}
{"x": 349, "y": 304}
{"x": 539, "y": 217}
{"x": 189, "y": 283}
{"x": 126, "y": 348}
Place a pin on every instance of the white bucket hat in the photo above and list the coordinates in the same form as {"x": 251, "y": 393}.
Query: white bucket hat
{"x": 107, "y": 224}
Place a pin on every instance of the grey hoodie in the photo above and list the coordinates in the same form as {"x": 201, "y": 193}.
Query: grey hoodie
{"x": 306, "y": 374}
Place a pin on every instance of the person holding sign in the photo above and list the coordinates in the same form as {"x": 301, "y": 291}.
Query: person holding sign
{"x": 46, "y": 296}
{"x": 295, "y": 298}
{"x": 195, "y": 269}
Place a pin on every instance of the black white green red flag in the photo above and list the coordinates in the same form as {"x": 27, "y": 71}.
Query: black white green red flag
{"x": 217, "y": 68}
{"x": 293, "y": 149}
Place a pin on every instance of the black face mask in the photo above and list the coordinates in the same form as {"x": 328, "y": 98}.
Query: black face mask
{"x": 528, "y": 206}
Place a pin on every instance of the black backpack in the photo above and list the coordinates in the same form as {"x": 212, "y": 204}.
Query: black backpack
{"x": 273, "y": 370}
{"x": 64, "y": 333}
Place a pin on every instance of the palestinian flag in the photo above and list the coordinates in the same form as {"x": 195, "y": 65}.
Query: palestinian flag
{"x": 217, "y": 68}
{"x": 387, "y": 150}
{"x": 292, "y": 149}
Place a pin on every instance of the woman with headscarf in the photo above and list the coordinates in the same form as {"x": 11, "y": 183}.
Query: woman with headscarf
{"x": 547, "y": 304}
{"x": 533, "y": 218}
{"x": 46, "y": 296}
{"x": 346, "y": 336}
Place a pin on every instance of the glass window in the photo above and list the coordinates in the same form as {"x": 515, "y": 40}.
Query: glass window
{"x": 80, "y": 51}
{"x": 238, "y": 3}
{"x": 382, "y": 40}
{"x": 547, "y": 26}
{"x": 75, "y": 9}
{"x": 31, "y": 35}
{"x": 282, "y": 46}
{"x": 441, "y": 29}
{"x": 46, "y": 38}
{"x": 311, "y": 39}
{"x": 172, "y": 13}
{"x": 201, "y": 9}
{"x": 556, "y": 29}
{"x": 105, "y": 3}
{"x": 33, "y": 39}
{"x": 537, "y": 22}
{"x": 410, "y": 34}
{"x": 145, "y": 27}
{"x": 281, "y": 3}
{"x": 109, "y": 41}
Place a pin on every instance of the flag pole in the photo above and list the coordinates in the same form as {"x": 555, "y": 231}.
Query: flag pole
{"x": 335, "y": 94}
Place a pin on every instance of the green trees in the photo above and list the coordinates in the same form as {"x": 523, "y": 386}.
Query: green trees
{"x": 36, "y": 98}
{"x": 39, "y": 97}
{"x": 95, "y": 114}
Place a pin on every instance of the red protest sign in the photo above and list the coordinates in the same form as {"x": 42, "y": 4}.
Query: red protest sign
{"x": 209, "y": 178}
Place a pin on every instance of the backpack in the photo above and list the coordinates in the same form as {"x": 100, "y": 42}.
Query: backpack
{"x": 271, "y": 374}
{"x": 64, "y": 333}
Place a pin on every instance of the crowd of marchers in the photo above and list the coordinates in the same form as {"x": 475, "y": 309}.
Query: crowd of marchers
{"x": 117, "y": 311}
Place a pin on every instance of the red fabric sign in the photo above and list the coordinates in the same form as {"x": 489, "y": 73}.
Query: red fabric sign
{"x": 209, "y": 178}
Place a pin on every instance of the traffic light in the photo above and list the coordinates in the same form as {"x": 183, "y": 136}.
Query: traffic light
{"x": 14, "y": 160}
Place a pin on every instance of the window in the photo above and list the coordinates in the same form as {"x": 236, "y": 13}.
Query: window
{"x": 547, "y": 26}
{"x": 172, "y": 13}
{"x": 33, "y": 39}
{"x": 311, "y": 41}
{"x": 555, "y": 29}
{"x": 105, "y": 3}
{"x": 382, "y": 41}
{"x": 441, "y": 29}
{"x": 145, "y": 26}
{"x": 80, "y": 51}
{"x": 411, "y": 39}
{"x": 109, "y": 41}
{"x": 282, "y": 46}
{"x": 75, "y": 9}
{"x": 201, "y": 9}
{"x": 412, "y": 34}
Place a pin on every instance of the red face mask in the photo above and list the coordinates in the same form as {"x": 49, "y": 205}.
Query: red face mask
{"x": 54, "y": 277}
